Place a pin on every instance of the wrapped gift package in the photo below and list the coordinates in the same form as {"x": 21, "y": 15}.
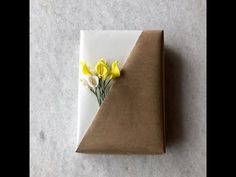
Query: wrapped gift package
{"x": 131, "y": 119}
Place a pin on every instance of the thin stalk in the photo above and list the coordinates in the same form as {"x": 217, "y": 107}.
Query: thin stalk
{"x": 101, "y": 86}
{"x": 107, "y": 83}
{"x": 98, "y": 96}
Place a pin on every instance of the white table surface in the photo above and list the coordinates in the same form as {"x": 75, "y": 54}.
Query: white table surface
{"x": 54, "y": 51}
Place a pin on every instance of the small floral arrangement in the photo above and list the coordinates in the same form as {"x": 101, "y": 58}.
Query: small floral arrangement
{"x": 98, "y": 80}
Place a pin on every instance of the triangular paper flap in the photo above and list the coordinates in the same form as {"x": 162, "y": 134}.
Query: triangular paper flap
{"x": 131, "y": 119}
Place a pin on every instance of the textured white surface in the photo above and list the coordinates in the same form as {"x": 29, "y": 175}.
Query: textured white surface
{"x": 95, "y": 44}
{"x": 54, "y": 51}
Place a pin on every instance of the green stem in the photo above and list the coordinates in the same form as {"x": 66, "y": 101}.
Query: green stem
{"x": 98, "y": 96}
{"x": 107, "y": 83}
{"x": 100, "y": 90}
{"x": 104, "y": 83}
{"x": 101, "y": 86}
{"x": 93, "y": 91}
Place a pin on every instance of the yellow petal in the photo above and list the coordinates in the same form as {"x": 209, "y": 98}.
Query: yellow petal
{"x": 85, "y": 69}
{"x": 102, "y": 60}
{"x": 101, "y": 68}
{"x": 115, "y": 71}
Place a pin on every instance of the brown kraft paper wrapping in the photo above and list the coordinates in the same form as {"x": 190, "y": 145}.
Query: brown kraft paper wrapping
{"x": 131, "y": 118}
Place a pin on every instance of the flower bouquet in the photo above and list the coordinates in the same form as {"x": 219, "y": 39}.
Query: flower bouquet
{"x": 98, "y": 80}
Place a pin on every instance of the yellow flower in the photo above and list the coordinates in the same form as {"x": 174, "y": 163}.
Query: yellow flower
{"x": 85, "y": 69}
{"x": 115, "y": 71}
{"x": 102, "y": 69}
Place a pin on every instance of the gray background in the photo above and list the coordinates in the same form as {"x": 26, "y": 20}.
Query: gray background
{"x": 54, "y": 44}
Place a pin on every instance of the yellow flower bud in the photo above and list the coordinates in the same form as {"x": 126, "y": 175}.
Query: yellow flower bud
{"x": 102, "y": 68}
{"x": 85, "y": 69}
{"x": 115, "y": 71}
